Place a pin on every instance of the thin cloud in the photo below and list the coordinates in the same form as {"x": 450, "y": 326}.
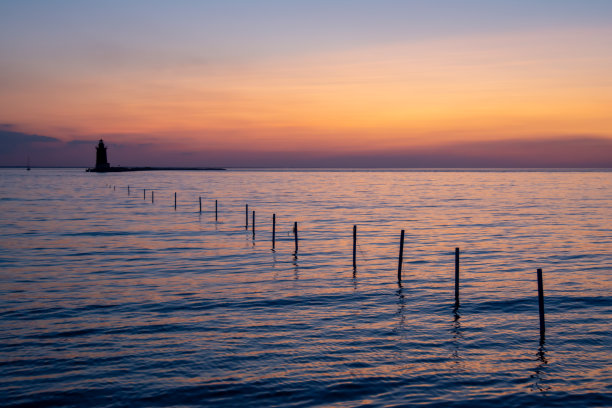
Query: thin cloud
{"x": 9, "y": 141}
{"x": 574, "y": 151}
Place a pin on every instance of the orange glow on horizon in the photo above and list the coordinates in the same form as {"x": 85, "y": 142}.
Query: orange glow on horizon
{"x": 401, "y": 95}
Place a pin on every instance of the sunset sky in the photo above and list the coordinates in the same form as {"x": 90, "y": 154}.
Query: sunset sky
{"x": 489, "y": 83}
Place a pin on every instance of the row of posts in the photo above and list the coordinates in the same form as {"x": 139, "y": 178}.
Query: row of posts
{"x": 400, "y": 257}
{"x": 246, "y": 225}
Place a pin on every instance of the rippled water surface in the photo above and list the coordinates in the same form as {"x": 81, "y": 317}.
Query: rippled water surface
{"x": 110, "y": 299}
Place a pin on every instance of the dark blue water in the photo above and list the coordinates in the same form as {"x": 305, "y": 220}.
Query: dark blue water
{"x": 109, "y": 299}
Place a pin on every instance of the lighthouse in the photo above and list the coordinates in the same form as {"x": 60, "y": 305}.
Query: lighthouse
{"x": 101, "y": 160}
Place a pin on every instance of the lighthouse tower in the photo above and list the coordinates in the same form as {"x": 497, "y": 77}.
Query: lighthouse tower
{"x": 101, "y": 160}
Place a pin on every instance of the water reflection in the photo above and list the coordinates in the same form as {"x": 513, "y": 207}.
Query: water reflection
{"x": 95, "y": 270}
{"x": 401, "y": 308}
{"x": 539, "y": 371}
{"x": 457, "y": 333}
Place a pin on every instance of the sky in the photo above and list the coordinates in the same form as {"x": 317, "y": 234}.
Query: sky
{"x": 334, "y": 83}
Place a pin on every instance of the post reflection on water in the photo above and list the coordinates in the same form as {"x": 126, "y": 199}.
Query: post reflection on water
{"x": 401, "y": 309}
{"x": 457, "y": 334}
{"x": 539, "y": 372}
{"x": 296, "y": 272}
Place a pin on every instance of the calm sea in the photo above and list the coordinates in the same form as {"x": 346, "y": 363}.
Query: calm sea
{"x": 108, "y": 299}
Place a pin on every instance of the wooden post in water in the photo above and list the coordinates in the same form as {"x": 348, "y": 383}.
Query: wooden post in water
{"x": 246, "y": 213}
{"x": 175, "y": 200}
{"x": 114, "y": 188}
{"x": 456, "y": 276}
{"x": 541, "y": 306}
{"x": 253, "y": 223}
{"x": 144, "y": 193}
{"x": 273, "y": 230}
{"x": 216, "y": 218}
{"x": 295, "y": 232}
{"x": 200, "y": 199}
{"x": 152, "y": 196}
{"x": 128, "y": 190}
{"x": 354, "y": 246}
{"x": 401, "y": 258}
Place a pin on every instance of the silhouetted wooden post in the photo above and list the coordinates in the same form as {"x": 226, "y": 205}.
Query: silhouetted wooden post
{"x": 144, "y": 193}
{"x": 253, "y": 223}
{"x": 246, "y": 213}
{"x": 354, "y": 246}
{"x": 295, "y": 232}
{"x": 541, "y": 305}
{"x": 175, "y": 200}
{"x": 273, "y": 230}
{"x": 216, "y": 210}
{"x": 114, "y": 188}
{"x": 401, "y": 258}
{"x": 456, "y": 276}
{"x": 200, "y": 199}
{"x": 152, "y": 196}
{"x": 128, "y": 190}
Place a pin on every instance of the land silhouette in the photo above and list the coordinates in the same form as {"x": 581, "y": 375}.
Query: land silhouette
{"x": 103, "y": 166}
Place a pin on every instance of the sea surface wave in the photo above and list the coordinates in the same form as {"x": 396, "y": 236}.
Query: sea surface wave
{"x": 108, "y": 299}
